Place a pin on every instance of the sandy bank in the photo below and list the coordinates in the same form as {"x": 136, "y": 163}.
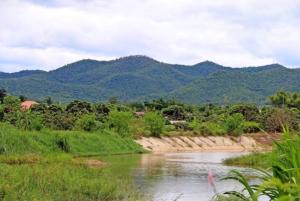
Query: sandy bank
{"x": 211, "y": 143}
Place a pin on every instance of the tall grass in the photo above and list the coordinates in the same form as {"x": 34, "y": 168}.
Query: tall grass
{"x": 60, "y": 177}
{"x": 49, "y": 165}
{"x": 14, "y": 141}
{"x": 256, "y": 160}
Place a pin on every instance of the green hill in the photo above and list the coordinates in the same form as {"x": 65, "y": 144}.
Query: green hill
{"x": 139, "y": 78}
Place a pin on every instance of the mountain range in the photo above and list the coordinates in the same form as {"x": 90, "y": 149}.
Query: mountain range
{"x": 137, "y": 78}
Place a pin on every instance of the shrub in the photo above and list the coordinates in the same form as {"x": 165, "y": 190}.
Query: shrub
{"x": 278, "y": 117}
{"x": 251, "y": 127}
{"x": 234, "y": 124}
{"x": 194, "y": 124}
{"x": 119, "y": 122}
{"x": 11, "y": 105}
{"x": 211, "y": 128}
{"x": 79, "y": 108}
{"x": 2, "y": 112}
{"x": 29, "y": 121}
{"x": 2, "y": 149}
{"x": 101, "y": 111}
{"x": 250, "y": 112}
{"x": 137, "y": 127}
{"x": 87, "y": 123}
{"x": 169, "y": 128}
{"x": 63, "y": 144}
{"x": 2, "y": 194}
{"x": 174, "y": 112}
{"x": 60, "y": 120}
{"x": 154, "y": 123}
{"x": 36, "y": 123}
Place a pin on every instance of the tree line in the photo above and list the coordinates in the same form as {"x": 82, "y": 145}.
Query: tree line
{"x": 154, "y": 117}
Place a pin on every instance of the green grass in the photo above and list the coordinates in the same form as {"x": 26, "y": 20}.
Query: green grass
{"x": 15, "y": 141}
{"x": 258, "y": 160}
{"x": 282, "y": 182}
{"x": 61, "y": 177}
{"x": 33, "y": 166}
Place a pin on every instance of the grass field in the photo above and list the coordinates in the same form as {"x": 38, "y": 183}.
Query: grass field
{"x": 53, "y": 165}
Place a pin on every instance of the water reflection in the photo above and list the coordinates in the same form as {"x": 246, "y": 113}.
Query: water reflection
{"x": 183, "y": 176}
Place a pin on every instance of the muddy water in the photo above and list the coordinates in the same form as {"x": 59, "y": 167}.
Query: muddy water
{"x": 183, "y": 176}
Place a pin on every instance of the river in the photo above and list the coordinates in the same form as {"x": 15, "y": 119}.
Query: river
{"x": 177, "y": 176}
{"x": 183, "y": 176}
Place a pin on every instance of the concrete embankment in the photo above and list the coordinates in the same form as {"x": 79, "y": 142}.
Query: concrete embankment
{"x": 211, "y": 143}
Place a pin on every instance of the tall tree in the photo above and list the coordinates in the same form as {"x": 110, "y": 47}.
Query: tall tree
{"x": 22, "y": 98}
{"x": 49, "y": 101}
{"x": 2, "y": 95}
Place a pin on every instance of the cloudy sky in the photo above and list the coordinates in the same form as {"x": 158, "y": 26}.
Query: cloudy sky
{"x": 39, "y": 35}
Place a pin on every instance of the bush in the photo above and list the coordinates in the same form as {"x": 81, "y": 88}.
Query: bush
{"x": 63, "y": 144}
{"x": 87, "y": 123}
{"x": 79, "y": 108}
{"x": 174, "y": 112}
{"x": 29, "y": 121}
{"x": 137, "y": 127}
{"x": 276, "y": 118}
{"x": 195, "y": 124}
{"x": 2, "y": 149}
{"x": 234, "y": 124}
{"x": 169, "y": 128}
{"x": 250, "y": 112}
{"x": 60, "y": 120}
{"x": 2, "y": 194}
{"x": 11, "y": 105}
{"x": 119, "y": 122}
{"x": 36, "y": 123}
{"x": 251, "y": 127}
{"x": 101, "y": 111}
{"x": 211, "y": 128}
{"x": 154, "y": 123}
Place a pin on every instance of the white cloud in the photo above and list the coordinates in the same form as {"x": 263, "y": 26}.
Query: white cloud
{"x": 233, "y": 33}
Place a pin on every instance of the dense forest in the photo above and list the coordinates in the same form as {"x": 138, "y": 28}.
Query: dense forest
{"x": 140, "y": 78}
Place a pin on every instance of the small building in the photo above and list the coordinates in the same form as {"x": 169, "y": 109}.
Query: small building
{"x": 26, "y": 105}
{"x": 179, "y": 124}
{"x": 176, "y": 122}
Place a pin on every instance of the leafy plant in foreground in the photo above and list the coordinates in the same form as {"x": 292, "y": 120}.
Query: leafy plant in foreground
{"x": 283, "y": 184}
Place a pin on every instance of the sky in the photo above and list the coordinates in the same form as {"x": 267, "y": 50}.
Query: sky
{"x": 39, "y": 34}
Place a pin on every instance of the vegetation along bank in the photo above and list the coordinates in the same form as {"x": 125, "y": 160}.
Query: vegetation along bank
{"x": 44, "y": 145}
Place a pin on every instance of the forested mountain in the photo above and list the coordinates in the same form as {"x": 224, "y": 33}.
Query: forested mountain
{"x": 20, "y": 74}
{"x": 139, "y": 78}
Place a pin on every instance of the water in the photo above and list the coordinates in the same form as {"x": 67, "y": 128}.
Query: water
{"x": 183, "y": 176}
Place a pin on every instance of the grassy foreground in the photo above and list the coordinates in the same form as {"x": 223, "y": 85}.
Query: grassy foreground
{"x": 280, "y": 181}
{"x": 49, "y": 165}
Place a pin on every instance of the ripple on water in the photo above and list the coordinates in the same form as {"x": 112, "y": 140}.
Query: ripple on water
{"x": 166, "y": 177}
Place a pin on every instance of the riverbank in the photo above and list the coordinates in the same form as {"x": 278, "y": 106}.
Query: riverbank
{"x": 79, "y": 143}
{"x": 53, "y": 165}
{"x": 209, "y": 143}
{"x": 255, "y": 160}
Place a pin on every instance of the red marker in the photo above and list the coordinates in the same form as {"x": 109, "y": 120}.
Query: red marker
{"x": 211, "y": 181}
